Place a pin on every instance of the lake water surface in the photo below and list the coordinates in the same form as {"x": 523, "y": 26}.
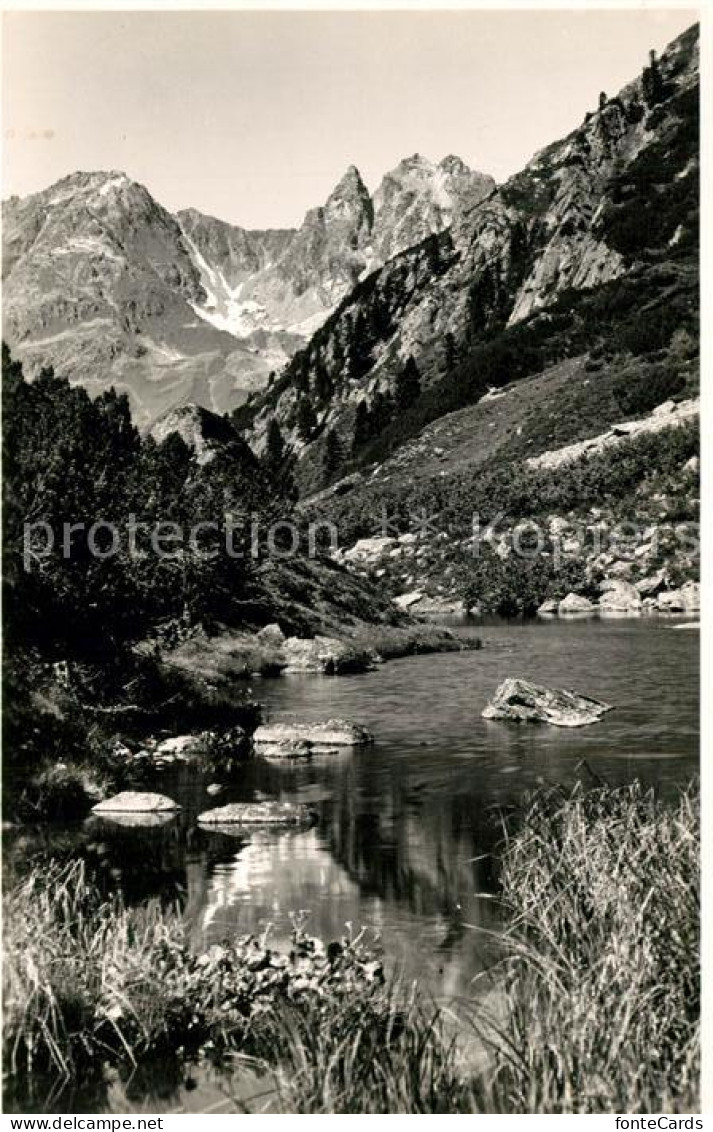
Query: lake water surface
{"x": 405, "y": 827}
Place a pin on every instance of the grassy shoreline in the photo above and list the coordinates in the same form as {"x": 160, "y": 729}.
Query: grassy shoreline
{"x": 61, "y": 732}
{"x": 600, "y": 983}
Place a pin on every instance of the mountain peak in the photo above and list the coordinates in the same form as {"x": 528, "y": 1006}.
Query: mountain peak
{"x": 416, "y": 163}
{"x": 349, "y": 185}
{"x": 453, "y": 164}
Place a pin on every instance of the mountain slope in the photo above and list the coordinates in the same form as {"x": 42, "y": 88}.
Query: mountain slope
{"x": 99, "y": 282}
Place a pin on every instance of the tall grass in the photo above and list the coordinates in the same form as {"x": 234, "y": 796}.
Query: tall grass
{"x": 598, "y": 990}
{"x": 395, "y": 1054}
{"x": 602, "y": 984}
{"x": 83, "y": 980}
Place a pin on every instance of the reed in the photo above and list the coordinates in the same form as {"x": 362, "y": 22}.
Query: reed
{"x": 601, "y": 895}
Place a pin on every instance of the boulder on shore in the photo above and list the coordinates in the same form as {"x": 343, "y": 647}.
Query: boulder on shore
{"x": 182, "y": 748}
{"x": 405, "y": 601}
{"x": 271, "y": 635}
{"x": 294, "y": 740}
{"x": 687, "y": 599}
{"x": 619, "y": 596}
{"x": 223, "y": 745}
{"x": 523, "y": 702}
{"x": 327, "y": 655}
{"x": 136, "y": 802}
{"x": 573, "y": 603}
{"x": 437, "y": 606}
{"x": 652, "y": 584}
{"x": 548, "y": 608}
{"x": 258, "y": 813}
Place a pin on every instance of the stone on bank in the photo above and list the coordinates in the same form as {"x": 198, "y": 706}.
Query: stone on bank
{"x": 136, "y": 802}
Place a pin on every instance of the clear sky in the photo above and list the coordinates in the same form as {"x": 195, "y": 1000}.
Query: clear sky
{"x": 254, "y": 116}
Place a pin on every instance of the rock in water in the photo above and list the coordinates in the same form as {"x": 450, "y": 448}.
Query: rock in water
{"x": 258, "y": 813}
{"x": 523, "y": 702}
{"x": 141, "y": 821}
{"x": 292, "y": 740}
{"x": 136, "y": 802}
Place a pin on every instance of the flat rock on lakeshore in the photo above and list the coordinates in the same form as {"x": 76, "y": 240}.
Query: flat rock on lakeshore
{"x": 522, "y": 702}
{"x": 258, "y": 813}
{"x": 136, "y": 802}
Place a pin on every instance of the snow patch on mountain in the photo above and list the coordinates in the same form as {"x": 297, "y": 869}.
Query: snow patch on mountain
{"x": 223, "y": 307}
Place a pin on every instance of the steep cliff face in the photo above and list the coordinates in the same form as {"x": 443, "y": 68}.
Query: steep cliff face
{"x": 418, "y": 198}
{"x": 611, "y": 202}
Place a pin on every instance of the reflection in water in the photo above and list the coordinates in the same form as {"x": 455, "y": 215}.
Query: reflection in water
{"x": 406, "y": 827}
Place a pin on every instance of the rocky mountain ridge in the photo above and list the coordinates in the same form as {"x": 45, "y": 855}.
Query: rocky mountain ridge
{"x": 103, "y": 283}
{"x": 290, "y": 280}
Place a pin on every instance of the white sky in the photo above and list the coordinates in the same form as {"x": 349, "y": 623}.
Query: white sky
{"x": 254, "y": 116}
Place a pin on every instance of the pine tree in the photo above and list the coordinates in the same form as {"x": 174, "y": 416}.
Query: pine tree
{"x": 300, "y": 366}
{"x": 306, "y": 418}
{"x": 360, "y": 359}
{"x": 333, "y": 454}
{"x": 274, "y": 447}
{"x": 362, "y": 427}
{"x": 408, "y": 385}
{"x": 337, "y": 356}
{"x": 450, "y": 353}
{"x": 651, "y": 82}
{"x": 323, "y": 387}
{"x": 380, "y": 413}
